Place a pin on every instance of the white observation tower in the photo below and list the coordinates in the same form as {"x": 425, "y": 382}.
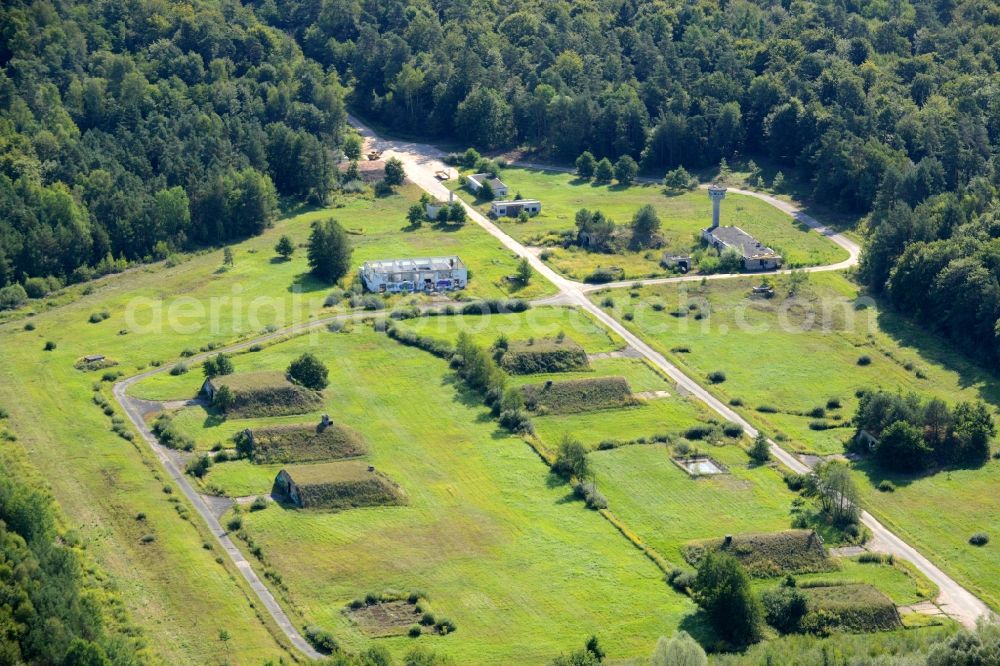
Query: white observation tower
{"x": 716, "y": 193}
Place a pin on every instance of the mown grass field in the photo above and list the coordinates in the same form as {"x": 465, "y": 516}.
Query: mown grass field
{"x": 682, "y": 217}
{"x": 798, "y": 369}
{"x": 795, "y": 354}
{"x": 667, "y": 507}
{"x": 538, "y": 323}
{"x": 487, "y": 533}
{"x": 172, "y": 586}
{"x": 937, "y": 515}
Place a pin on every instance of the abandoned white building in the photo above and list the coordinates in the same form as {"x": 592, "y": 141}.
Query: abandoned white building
{"x": 756, "y": 256}
{"x": 514, "y": 208}
{"x": 476, "y": 180}
{"x": 408, "y": 275}
{"x": 434, "y": 206}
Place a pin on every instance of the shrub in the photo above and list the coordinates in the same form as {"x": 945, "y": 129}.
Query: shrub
{"x": 796, "y": 482}
{"x": 445, "y": 626}
{"x": 680, "y": 580}
{"x": 736, "y": 402}
{"x": 699, "y": 432}
{"x": 258, "y": 504}
{"x": 767, "y": 409}
{"x": 147, "y": 538}
{"x": 179, "y": 369}
{"x": 864, "y": 360}
{"x": 601, "y": 276}
{"x": 589, "y": 493}
{"x": 308, "y": 371}
{"x": 760, "y": 452}
{"x": 730, "y": 429}
{"x": 886, "y": 486}
{"x": 571, "y": 459}
{"x": 234, "y": 523}
{"x": 198, "y": 466}
{"x": 36, "y": 287}
{"x": 30, "y": 326}
{"x": 979, "y": 539}
{"x": 414, "y": 631}
{"x": 869, "y": 557}
{"x": 321, "y": 639}
{"x": 608, "y": 302}
{"x": 784, "y": 608}
{"x": 817, "y": 413}
{"x": 427, "y": 619}
{"x": 833, "y": 403}
{"x": 12, "y": 296}
{"x": 50, "y": 345}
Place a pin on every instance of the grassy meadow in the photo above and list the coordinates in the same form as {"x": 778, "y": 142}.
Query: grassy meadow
{"x": 795, "y": 354}
{"x": 682, "y": 217}
{"x": 772, "y": 358}
{"x": 489, "y": 535}
{"x": 173, "y": 587}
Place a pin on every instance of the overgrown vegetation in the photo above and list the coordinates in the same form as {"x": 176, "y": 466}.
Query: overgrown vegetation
{"x": 299, "y": 443}
{"x": 54, "y": 611}
{"x": 913, "y": 433}
{"x": 544, "y": 355}
{"x": 578, "y": 395}
{"x": 769, "y": 554}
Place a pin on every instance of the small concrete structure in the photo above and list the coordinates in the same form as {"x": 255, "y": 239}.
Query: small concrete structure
{"x": 285, "y": 486}
{"x": 476, "y": 180}
{"x": 208, "y": 389}
{"x": 867, "y": 439}
{"x": 514, "y": 208}
{"x": 700, "y": 466}
{"x": 93, "y": 358}
{"x": 409, "y": 275}
{"x": 764, "y": 290}
{"x": 681, "y": 262}
{"x": 432, "y": 208}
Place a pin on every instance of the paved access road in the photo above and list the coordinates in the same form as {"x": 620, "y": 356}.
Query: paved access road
{"x": 421, "y": 161}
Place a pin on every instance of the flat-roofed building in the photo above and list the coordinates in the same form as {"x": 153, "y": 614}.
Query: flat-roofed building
{"x": 514, "y": 208}
{"x": 409, "y": 275}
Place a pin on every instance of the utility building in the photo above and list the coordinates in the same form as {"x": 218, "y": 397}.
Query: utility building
{"x": 756, "y": 256}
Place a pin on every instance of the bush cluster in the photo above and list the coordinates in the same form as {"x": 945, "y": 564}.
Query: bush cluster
{"x": 589, "y": 493}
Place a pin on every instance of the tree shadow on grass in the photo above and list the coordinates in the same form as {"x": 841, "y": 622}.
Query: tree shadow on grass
{"x": 307, "y": 282}
{"x": 876, "y": 475}
{"x": 213, "y": 419}
{"x": 277, "y": 259}
{"x": 447, "y": 227}
{"x": 939, "y": 351}
{"x": 553, "y": 480}
{"x": 700, "y": 629}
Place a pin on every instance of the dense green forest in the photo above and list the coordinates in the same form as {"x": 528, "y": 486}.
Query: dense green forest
{"x": 130, "y": 129}
{"x": 890, "y": 107}
{"x": 50, "y": 612}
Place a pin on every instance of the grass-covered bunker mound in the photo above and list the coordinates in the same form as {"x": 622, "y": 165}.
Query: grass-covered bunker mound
{"x": 337, "y": 485}
{"x": 526, "y": 357}
{"x": 301, "y": 443}
{"x": 578, "y": 395}
{"x": 851, "y": 607}
{"x": 256, "y": 394}
{"x": 768, "y": 554}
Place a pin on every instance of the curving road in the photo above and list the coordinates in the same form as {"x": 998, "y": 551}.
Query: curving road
{"x": 422, "y": 160}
